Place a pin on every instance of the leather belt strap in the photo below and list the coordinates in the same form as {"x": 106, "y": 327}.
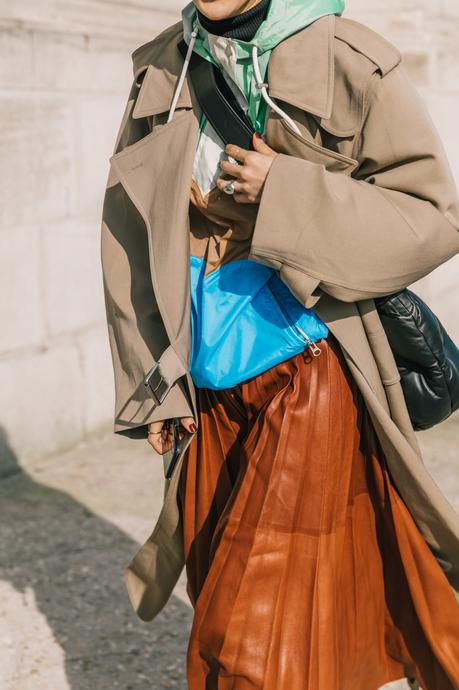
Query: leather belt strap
{"x": 218, "y": 102}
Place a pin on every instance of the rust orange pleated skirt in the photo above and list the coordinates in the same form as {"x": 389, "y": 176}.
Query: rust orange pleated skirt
{"x": 304, "y": 566}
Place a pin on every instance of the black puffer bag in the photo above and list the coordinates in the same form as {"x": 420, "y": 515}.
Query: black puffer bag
{"x": 426, "y": 357}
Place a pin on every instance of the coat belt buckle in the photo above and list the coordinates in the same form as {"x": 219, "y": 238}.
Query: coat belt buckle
{"x": 156, "y": 384}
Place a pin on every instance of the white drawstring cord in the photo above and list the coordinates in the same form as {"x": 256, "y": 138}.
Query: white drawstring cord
{"x": 179, "y": 86}
{"x": 262, "y": 86}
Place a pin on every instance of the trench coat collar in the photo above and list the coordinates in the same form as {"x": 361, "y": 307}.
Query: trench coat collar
{"x": 300, "y": 71}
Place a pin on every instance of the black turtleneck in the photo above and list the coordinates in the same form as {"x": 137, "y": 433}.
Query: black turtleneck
{"x": 243, "y": 26}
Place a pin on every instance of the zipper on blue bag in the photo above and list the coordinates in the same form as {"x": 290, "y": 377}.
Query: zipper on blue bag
{"x": 315, "y": 349}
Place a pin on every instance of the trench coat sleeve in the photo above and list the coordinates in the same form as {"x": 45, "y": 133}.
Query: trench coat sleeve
{"x": 137, "y": 335}
{"x": 375, "y": 232}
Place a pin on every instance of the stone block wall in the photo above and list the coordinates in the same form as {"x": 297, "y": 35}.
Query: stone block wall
{"x": 65, "y": 73}
{"x": 64, "y": 76}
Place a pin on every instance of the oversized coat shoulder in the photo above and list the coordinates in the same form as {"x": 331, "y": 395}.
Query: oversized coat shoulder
{"x": 157, "y": 48}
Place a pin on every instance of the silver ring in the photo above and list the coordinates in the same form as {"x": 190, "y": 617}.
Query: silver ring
{"x": 229, "y": 187}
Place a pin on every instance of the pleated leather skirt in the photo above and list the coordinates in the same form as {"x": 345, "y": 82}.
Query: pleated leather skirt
{"x": 304, "y": 566}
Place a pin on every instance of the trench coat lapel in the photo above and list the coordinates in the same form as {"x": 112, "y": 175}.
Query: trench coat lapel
{"x": 309, "y": 56}
{"x": 158, "y": 86}
{"x": 312, "y": 89}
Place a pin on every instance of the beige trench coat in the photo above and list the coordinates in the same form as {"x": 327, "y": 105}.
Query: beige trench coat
{"x": 361, "y": 204}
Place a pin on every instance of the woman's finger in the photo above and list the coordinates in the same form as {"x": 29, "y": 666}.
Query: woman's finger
{"x": 160, "y": 436}
{"x": 156, "y": 427}
{"x": 261, "y": 146}
{"x": 231, "y": 168}
{"x": 236, "y": 152}
{"x": 161, "y": 445}
{"x": 189, "y": 424}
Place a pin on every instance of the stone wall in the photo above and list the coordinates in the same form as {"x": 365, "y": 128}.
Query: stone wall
{"x": 64, "y": 76}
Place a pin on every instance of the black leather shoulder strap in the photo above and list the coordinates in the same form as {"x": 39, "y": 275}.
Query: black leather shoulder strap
{"x": 218, "y": 102}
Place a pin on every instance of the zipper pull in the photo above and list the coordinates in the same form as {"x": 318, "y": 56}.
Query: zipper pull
{"x": 315, "y": 349}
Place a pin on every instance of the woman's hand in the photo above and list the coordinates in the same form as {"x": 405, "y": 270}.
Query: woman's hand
{"x": 251, "y": 175}
{"x": 161, "y": 435}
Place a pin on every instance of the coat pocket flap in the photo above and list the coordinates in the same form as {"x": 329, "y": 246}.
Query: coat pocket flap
{"x": 285, "y": 140}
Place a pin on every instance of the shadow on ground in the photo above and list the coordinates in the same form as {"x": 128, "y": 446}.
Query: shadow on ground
{"x": 73, "y": 561}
